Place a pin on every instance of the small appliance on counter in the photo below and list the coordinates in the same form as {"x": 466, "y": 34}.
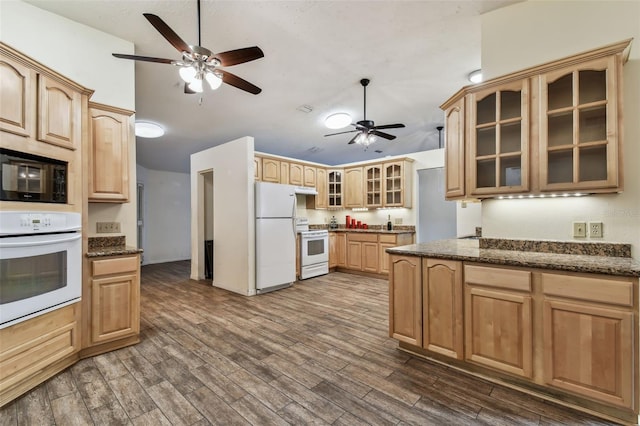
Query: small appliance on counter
{"x": 333, "y": 223}
{"x": 314, "y": 249}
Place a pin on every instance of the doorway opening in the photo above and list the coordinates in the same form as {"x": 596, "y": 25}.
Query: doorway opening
{"x": 205, "y": 225}
{"x": 140, "y": 217}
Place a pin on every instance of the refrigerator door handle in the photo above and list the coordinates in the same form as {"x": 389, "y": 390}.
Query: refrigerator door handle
{"x": 293, "y": 214}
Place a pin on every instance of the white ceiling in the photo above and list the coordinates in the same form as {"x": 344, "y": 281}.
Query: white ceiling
{"x": 416, "y": 54}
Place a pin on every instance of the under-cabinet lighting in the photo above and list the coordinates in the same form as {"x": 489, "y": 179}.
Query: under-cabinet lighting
{"x": 360, "y": 209}
{"x": 564, "y": 195}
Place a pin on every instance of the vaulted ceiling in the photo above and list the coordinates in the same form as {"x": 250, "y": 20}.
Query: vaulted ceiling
{"x": 416, "y": 54}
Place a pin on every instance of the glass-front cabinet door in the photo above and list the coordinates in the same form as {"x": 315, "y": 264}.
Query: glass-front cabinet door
{"x": 334, "y": 179}
{"x": 393, "y": 185}
{"x": 578, "y": 129}
{"x": 499, "y": 139}
{"x": 373, "y": 185}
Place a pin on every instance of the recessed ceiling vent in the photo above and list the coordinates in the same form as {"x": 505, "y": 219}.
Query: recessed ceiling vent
{"x": 305, "y": 108}
{"x": 314, "y": 149}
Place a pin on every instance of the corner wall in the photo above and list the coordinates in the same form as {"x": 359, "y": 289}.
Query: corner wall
{"x": 535, "y": 32}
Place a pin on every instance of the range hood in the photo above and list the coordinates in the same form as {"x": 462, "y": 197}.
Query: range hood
{"x": 306, "y": 190}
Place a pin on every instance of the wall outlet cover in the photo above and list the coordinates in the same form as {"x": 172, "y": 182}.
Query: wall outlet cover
{"x": 579, "y": 229}
{"x": 107, "y": 227}
{"x": 596, "y": 230}
{"x": 398, "y": 221}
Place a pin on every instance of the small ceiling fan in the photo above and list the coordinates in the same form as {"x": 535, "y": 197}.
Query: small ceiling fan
{"x": 199, "y": 64}
{"x": 366, "y": 129}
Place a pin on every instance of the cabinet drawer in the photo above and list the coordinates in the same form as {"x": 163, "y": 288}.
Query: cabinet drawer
{"x": 594, "y": 289}
{"x": 363, "y": 237}
{"x": 114, "y": 265}
{"x": 496, "y": 277}
{"x": 386, "y": 238}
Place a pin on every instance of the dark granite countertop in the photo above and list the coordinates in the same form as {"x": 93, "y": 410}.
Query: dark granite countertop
{"x": 469, "y": 250}
{"x": 375, "y": 231}
{"x": 112, "y": 251}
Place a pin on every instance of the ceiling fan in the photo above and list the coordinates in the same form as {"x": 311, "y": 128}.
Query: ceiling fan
{"x": 199, "y": 64}
{"x": 366, "y": 129}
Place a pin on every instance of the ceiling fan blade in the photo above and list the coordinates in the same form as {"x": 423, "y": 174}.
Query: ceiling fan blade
{"x": 389, "y": 126}
{"x": 143, "y": 58}
{"x": 187, "y": 90}
{"x": 383, "y": 135}
{"x": 238, "y": 82}
{"x": 342, "y": 133}
{"x": 239, "y": 56}
{"x": 167, "y": 33}
{"x": 353, "y": 140}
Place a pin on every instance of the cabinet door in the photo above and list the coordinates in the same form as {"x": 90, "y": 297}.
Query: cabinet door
{"x": 109, "y": 157}
{"x": 405, "y": 299}
{"x": 579, "y": 127}
{"x": 373, "y": 185}
{"x": 498, "y": 329}
{"x": 114, "y": 307}
{"x": 284, "y": 172}
{"x": 270, "y": 170}
{"x": 354, "y": 255}
{"x": 383, "y": 258}
{"x": 17, "y": 97}
{"x": 370, "y": 257}
{"x": 257, "y": 168}
{"x": 341, "y": 250}
{"x": 59, "y": 114}
{"x": 334, "y": 178}
{"x": 296, "y": 174}
{"x": 442, "y": 328}
{"x": 393, "y": 188}
{"x": 309, "y": 176}
{"x": 333, "y": 255}
{"x": 588, "y": 350}
{"x": 499, "y": 139}
{"x": 322, "y": 199}
{"x": 454, "y": 150}
{"x": 354, "y": 194}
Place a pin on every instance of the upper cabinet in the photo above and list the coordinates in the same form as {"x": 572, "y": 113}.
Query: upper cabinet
{"x": 354, "y": 194}
{"x": 322, "y": 198}
{"x": 16, "y": 97}
{"x": 59, "y": 113}
{"x": 397, "y": 188}
{"x": 109, "y": 154}
{"x": 334, "y": 180}
{"x": 270, "y": 170}
{"x": 553, "y": 127}
{"x": 373, "y": 185}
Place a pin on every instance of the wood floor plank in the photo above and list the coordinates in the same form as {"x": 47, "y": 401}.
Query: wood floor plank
{"x": 111, "y": 414}
{"x": 70, "y": 410}
{"x": 151, "y": 418}
{"x": 61, "y": 385}
{"x": 217, "y": 382}
{"x": 34, "y": 408}
{"x": 266, "y": 394}
{"x": 214, "y": 409}
{"x": 132, "y": 396}
{"x": 296, "y": 414}
{"x": 173, "y": 404}
{"x": 319, "y": 406}
{"x": 257, "y": 413}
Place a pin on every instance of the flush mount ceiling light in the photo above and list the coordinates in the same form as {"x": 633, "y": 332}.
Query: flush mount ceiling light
{"x": 337, "y": 120}
{"x": 148, "y": 130}
{"x": 475, "y": 76}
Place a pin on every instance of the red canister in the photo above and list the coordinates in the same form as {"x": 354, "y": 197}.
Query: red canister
{"x": 359, "y": 224}
{"x": 365, "y": 226}
{"x": 353, "y": 223}
{"x": 348, "y": 225}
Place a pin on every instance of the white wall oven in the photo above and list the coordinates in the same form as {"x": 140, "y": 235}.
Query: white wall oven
{"x": 314, "y": 250}
{"x": 40, "y": 263}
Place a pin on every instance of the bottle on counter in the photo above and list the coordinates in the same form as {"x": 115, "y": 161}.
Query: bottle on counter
{"x": 389, "y": 225}
{"x": 333, "y": 224}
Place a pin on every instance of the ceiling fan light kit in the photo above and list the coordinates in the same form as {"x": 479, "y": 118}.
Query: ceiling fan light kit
{"x": 337, "y": 120}
{"x": 367, "y": 131}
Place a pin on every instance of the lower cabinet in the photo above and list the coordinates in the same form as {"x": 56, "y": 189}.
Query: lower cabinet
{"x": 498, "y": 319}
{"x": 405, "y": 299}
{"x": 442, "y": 328}
{"x": 337, "y": 250}
{"x": 366, "y": 251}
{"x": 115, "y": 299}
{"x": 588, "y": 337}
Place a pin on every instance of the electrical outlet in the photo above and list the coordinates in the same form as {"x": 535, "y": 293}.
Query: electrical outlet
{"x": 398, "y": 221}
{"x": 579, "y": 229}
{"x": 107, "y": 227}
{"x": 596, "y": 230}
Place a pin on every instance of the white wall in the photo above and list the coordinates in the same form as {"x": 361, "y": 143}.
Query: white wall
{"x": 46, "y": 38}
{"x": 233, "y": 215}
{"x": 166, "y": 218}
{"x": 534, "y": 32}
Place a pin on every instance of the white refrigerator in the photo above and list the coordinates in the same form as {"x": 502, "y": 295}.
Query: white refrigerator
{"x": 275, "y": 236}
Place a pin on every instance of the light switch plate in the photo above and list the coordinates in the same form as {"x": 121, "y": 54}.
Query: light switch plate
{"x": 579, "y": 229}
{"x": 596, "y": 230}
{"x": 398, "y": 221}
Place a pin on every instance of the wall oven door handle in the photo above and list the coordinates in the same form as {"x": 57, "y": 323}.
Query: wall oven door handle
{"x": 39, "y": 240}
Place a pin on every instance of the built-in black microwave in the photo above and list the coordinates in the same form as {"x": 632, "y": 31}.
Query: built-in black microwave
{"x": 28, "y": 177}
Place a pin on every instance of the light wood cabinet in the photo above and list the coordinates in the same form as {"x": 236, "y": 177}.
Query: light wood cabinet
{"x": 386, "y": 241}
{"x": 334, "y": 180}
{"x": 566, "y": 113}
{"x": 322, "y": 185}
{"x": 454, "y": 153}
{"x": 442, "y": 327}
{"x": 354, "y": 255}
{"x": 296, "y": 174}
{"x": 257, "y": 168}
{"x": 373, "y": 185}
{"x": 109, "y": 154}
{"x": 362, "y": 251}
{"x": 499, "y": 139}
{"x": 405, "y": 299}
{"x": 337, "y": 249}
{"x": 397, "y": 184}
{"x": 354, "y": 191}
{"x": 588, "y": 336}
{"x": 284, "y": 172}
{"x": 270, "y": 170}
{"x": 115, "y": 298}
{"x": 498, "y": 319}
{"x": 59, "y": 113}
{"x": 17, "y": 95}
{"x": 36, "y": 349}
{"x": 309, "y": 176}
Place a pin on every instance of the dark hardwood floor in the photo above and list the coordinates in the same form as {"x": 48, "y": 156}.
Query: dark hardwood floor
{"x": 315, "y": 353}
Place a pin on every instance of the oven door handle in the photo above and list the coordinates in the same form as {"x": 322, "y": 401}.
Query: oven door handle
{"x": 32, "y": 242}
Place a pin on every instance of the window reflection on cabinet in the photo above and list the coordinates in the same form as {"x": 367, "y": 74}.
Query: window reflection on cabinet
{"x": 579, "y": 126}
{"x": 499, "y": 142}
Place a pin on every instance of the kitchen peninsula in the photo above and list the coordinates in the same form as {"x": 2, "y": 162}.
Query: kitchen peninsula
{"x": 555, "y": 319}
